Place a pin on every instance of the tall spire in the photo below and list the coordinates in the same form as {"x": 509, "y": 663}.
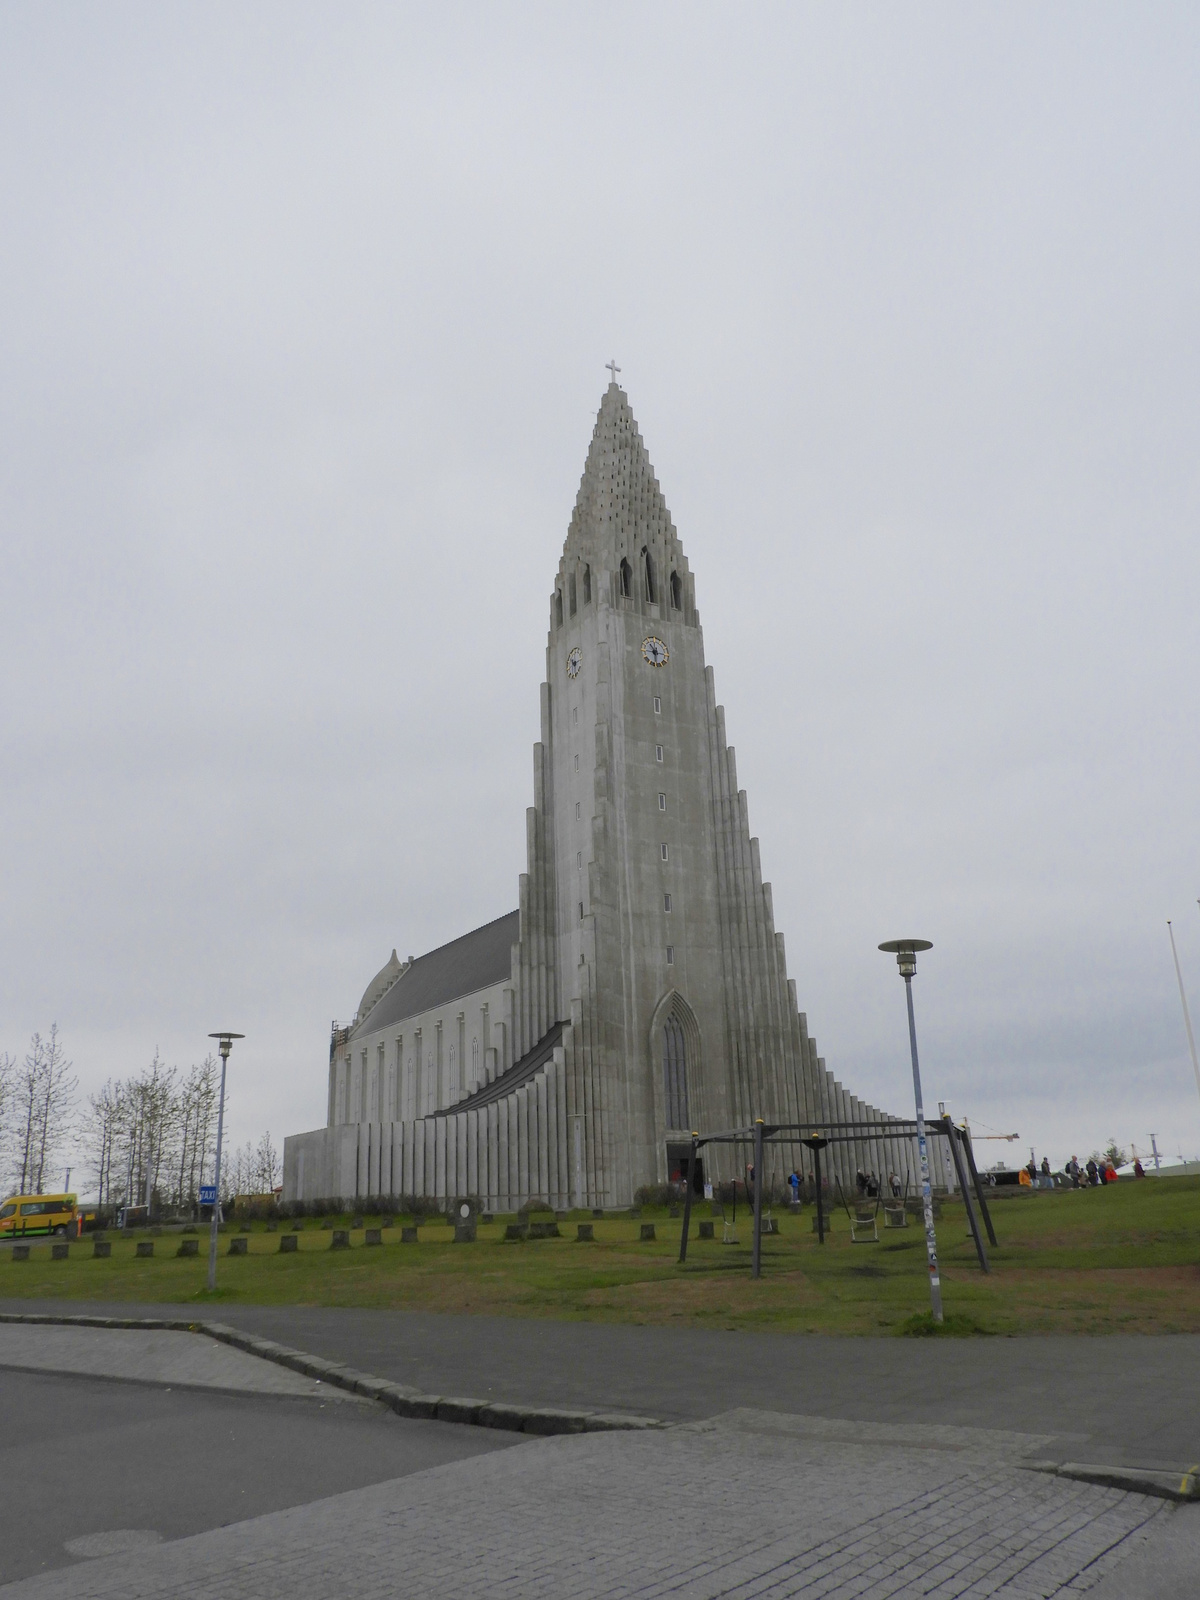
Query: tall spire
{"x": 620, "y": 506}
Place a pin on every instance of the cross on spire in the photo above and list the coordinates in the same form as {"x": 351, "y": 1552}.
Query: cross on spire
{"x": 613, "y": 368}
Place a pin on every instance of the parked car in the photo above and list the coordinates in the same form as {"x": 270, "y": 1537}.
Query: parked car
{"x": 24, "y": 1214}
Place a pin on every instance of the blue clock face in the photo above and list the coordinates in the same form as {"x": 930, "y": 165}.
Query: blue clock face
{"x": 655, "y": 652}
{"x": 574, "y": 662}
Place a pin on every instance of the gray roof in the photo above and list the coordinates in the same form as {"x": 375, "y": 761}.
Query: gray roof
{"x": 461, "y": 967}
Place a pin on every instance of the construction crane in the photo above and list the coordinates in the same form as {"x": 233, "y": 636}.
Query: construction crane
{"x": 976, "y": 1137}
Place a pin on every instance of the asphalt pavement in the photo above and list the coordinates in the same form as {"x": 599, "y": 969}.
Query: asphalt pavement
{"x": 1118, "y": 1399}
{"x": 84, "y": 1459}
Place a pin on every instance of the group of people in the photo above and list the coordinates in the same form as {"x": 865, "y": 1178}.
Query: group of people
{"x": 1092, "y": 1174}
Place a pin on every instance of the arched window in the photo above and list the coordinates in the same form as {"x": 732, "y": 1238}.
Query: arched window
{"x": 676, "y": 592}
{"x": 587, "y": 586}
{"x": 648, "y": 575}
{"x": 558, "y": 608}
{"x": 675, "y": 1073}
{"x": 626, "y": 578}
{"x": 571, "y": 590}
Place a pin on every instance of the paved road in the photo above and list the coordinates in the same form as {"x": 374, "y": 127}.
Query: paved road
{"x": 1118, "y": 1399}
{"x": 81, "y": 1457}
{"x": 749, "y": 1505}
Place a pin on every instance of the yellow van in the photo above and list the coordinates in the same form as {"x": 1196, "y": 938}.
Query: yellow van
{"x": 37, "y": 1213}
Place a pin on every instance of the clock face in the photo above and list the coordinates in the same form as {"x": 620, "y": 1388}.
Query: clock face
{"x": 574, "y": 662}
{"x": 655, "y": 652}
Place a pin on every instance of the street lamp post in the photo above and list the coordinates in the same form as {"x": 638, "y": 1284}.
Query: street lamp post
{"x": 225, "y": 1046}
{"x": 905, "y": 952}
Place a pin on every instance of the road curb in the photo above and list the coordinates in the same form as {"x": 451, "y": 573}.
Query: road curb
{"x": 398, "y": 1397}
{"x": 1166, "y": 1483}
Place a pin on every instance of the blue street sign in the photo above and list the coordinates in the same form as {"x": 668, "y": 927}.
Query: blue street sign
{"x": 208, "y": 1194}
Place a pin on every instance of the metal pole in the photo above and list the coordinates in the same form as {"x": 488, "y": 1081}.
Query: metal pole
{"x": 758, "y": 1161}
{"x": 1187, "y": 1016}
{"x": 687, "y": 1202}
{"x": 820, "y": 1205}
{"x": 983, "y": 1207}
{"x": 952, "y": 1137}
{"x": 212, "y": 1238}
{"x": 935, "y": 1282}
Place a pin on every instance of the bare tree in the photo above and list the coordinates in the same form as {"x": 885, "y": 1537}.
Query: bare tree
{"x": 44, "y": 1106}
{"x": 266, "y": 1165}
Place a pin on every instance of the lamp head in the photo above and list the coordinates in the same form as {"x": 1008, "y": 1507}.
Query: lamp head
{"x": 905, "y": 952}
{"x": 226, "y": 1042}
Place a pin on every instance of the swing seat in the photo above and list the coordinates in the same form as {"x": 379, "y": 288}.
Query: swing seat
{"x": 895, "y": 1217}
{"x": 863, "y": 1230}
{"x": 727, "y": 1234}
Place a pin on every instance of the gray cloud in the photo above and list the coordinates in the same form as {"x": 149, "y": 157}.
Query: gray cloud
{"x": 303, "y": 320}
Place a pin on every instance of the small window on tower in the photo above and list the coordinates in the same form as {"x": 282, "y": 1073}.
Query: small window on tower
{"x": 663, "y": 850}
{"x": 575, "y": 715}
{"x": 572, "y": 593}
{"x": 666, "y": 902}
{"x": 576, "y": 763}
{"x": 657, "y": 706}
{"x": 662, "y": 802}
{"x": 658, "y": 755}
{"x": 676, "y": 592}
{"x": 648, "y": 575}
{"x": 577, "y": 809}
{"x": 670, "y": 955}
{"x": 579, "y": 859}
{"x": 587, "y": 586}
{"x": 558, "y": 608}
{"x": 581, "y": 911}
{"x": 626, "y": 579}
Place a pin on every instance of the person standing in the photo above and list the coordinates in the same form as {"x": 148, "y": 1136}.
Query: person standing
{"x": 1093, "y": 1172}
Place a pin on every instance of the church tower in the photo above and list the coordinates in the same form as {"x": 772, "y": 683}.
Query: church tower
{"x": 568, "y": 1049}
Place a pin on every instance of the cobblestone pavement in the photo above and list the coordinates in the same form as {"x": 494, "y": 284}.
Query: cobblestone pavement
{"x": 750, "y": 1505}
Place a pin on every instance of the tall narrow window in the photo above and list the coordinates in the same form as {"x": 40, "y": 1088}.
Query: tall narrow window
{"x": 576, "y": 763}
{"x": 648, "y": 576}
{"x": 558, "y": 607}
{"x": 658, "y": 705}
{"x": 571, "y": 592}
{"x": 474, "y": 1062}
{"x": 670, "y": 955}
{"x": 626, "y": 579}
{"x": 675, "y": 1073}
{"x": 575, "y": 715}
{"x": 581, "y": 911}
{"x": 577, "y": 804}
{"x": 662, "y": 802}
{"x": 663, "y": 849}
{"x": 666, "y": 902}
{"x": 587, "y": 586}
{"x": 658, "y": 753}
{"x": 579, "y": 860}
{"x": 676, "y": 592}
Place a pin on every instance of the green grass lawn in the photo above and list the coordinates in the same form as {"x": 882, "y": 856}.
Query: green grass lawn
{"x": 1121, "y": 1259}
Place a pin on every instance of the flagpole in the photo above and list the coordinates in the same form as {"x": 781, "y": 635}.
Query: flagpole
{"x": 1187, "y": 1016}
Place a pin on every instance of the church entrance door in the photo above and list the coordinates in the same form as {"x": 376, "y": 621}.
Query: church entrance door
{"x": 678, "y": 1156}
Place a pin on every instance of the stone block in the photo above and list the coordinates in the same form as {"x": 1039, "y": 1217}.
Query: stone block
{"x": 544, "y": 1230}
{"x": 188, "y": 1247}
{"x": 674, "y": 1212}
{"x": 560, "y": 1216}
{"x": 59, "y": 1251}
{"x": 340, "y": 1240}
{"x": 487, "y": 1217}
{"x": 597, "y": 1213}
{"x": 20, "y": 1252}
{"x": 647, "y": 1232}
{"x": 706, "y": 1230}
{"x": 584, "y": 1233}
{"x": 288, "y": 1244}
{"x": 828, "y": 1223}
{"x": 272, "y": 1227}
{"x": 408, "y": 1235}
{"x": 498, "y": 1415}
{"x": 144, "y": 1247}
{"x": 191, "y": 1229}
{"x": 453, "y": 1410}
{"x": 239, "y": 1245}
{"x": 635, "y": 1212}
{"x": 101, "y": 1249}
{"x": 356, "y": 1222}
{"x": 517, "y": 1230}
{"x": 296, "y": 1227}
{"x": 374, "y": 1236}
{"x": 464, "y": 1232}
{"x": 554, "y": 1419}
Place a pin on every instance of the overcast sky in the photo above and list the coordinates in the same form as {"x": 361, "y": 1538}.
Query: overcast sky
{"x": 303, "y": 316}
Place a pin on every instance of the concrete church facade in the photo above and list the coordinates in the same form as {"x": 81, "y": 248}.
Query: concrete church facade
{"x": 640, "y": 990}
